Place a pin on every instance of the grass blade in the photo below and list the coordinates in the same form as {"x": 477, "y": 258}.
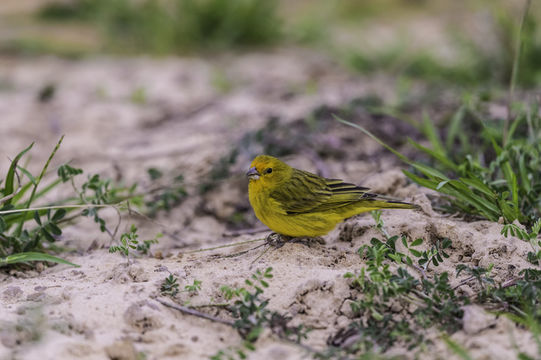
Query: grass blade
{"x": 375, "y": 138}
{"x": 10, "y": 178}
{"x": 38, "y": 180}
{"x": 32, "y": 256}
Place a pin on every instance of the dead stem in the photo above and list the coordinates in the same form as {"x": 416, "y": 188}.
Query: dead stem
{"x": 194, "y": 312}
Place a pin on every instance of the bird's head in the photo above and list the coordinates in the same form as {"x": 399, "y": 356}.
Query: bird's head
{"x": 268, "y": 171}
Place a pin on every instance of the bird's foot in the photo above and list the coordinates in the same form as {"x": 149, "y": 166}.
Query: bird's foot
{"x": 277, "y": 240}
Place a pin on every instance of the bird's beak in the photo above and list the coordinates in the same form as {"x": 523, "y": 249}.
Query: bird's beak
{"x": 253, "y": 173}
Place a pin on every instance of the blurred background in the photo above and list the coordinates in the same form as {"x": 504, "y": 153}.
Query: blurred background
{"x": 462, "y": 43}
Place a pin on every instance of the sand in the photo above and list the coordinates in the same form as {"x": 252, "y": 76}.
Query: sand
{"x": 109, "y": 309}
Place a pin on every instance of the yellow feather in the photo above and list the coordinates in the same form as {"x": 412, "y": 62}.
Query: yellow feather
{"x": 297, "y": 203}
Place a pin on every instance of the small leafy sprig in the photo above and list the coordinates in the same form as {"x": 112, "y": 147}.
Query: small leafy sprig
{"x": 128, "y": 241}
{"x": 252, "y": 316}
{"x": 170, "y": 286}
{"x": 532, "y": 237}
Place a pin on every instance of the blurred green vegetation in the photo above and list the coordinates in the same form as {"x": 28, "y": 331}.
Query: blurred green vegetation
{"x": 176, "y": 26}
{"x": 163, "y": 27}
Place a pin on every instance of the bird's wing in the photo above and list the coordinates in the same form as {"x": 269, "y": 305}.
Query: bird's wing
{"x": 308, "y": 193}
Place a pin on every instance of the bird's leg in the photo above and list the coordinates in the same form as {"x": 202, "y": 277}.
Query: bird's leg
{"x": 277, "y": 240}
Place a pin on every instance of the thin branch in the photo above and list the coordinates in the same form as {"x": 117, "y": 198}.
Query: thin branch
{"x": 224, "y": 246}
{"x": 193, "y": 312}
{"x": 464, "y": 282}
{"x": 74, "y": 206}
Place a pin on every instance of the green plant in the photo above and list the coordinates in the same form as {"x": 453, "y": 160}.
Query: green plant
{"x": 532, "y": 237}
{"x": 128, "y": 241}
{"x": 427, "y": 302}
{"x": 252, "y": 316}
{"x": 174, "y": 26}
{"x": 144, "y": 247}
{"x": 435, "y": 255}
{"x": 20, "y": 240}
{"x": 170, "y": 286}
{"x": 194, "y": 287}
{"x": 496, "y": 181}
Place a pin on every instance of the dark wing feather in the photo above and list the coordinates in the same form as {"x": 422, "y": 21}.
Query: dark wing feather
{"x": 308, "y": 193}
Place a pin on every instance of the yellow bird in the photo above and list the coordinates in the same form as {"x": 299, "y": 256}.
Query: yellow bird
{"x": 297, "y": 203}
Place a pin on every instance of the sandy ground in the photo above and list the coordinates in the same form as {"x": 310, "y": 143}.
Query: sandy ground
{"x": 194, "y": 112}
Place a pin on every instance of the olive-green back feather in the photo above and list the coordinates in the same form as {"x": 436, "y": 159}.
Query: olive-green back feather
{"x": 308, "y": 193}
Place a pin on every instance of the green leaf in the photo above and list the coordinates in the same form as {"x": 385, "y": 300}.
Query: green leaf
{"x": 32, "y": 256}
{"x": 429, "y": 171}
{"x": 58, "y": 215}
{"x": 415, "y": 253}
{"x": 373, "y": 137}
{"x": 431, "y": 184}
{"x": 442, "y": 158}
{"x": 48, "y": 235}
{"x": 478, "y": 185}
{"x": 417, "y": 242}
{"x": 10, "y": 178}
{"x": 54, "y": 229}
{"x": 28, "y": 174}
{"x": 37, "y": 218}
{"x": 432, "y": 135}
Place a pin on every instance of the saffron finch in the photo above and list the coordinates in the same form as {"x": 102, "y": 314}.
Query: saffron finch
{"x": 297, "y": 203}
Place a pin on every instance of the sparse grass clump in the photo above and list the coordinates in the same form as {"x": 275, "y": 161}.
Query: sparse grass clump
{"x": 27, "y": 233}
{"x": 493, "y": 173}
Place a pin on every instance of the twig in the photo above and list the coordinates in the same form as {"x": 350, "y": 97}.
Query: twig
{"x": 220, "y": 305}
{"x": 193, "y": 312}
{"x": 3, "y": 212}
{"x": 260, "y": 255}
{"x": 510, "y": 282}
{"x": 12, "y": 195}
{"x": 464, "y": 282}
{"x": 224, "y": 246}
{"x": 420, "y": 269}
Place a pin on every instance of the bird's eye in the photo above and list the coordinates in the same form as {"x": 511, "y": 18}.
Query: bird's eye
{"x": 268, "y": 171}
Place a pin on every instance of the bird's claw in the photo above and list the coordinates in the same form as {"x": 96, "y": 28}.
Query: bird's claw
{"x": 276, "y": 240}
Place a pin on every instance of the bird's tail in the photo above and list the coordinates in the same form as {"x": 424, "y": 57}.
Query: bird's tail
{"x": 379, "y": 203}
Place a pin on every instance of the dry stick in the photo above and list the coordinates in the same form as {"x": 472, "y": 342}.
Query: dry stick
{"x": 463, "y": 282}
{"x": 196, "y": 313}
{"x": 3, "y": 212}
{"x": 193, "y": 312}
{"x": 224, "y": 246}
{"x": 514, "y": 71}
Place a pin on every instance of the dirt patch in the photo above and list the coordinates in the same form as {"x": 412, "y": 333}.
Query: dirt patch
{"x": 123, "y": 116}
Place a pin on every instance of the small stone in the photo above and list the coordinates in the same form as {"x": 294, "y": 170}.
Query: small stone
{"x": 346, "y": 309}
{"x": 121, "y": 350}
{"x": 475, "y": 319}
